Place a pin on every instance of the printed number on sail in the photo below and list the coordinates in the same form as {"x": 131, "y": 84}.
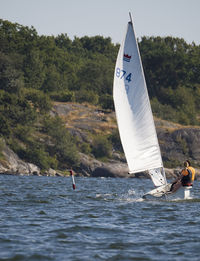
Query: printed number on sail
{"x": 122, "y": 74}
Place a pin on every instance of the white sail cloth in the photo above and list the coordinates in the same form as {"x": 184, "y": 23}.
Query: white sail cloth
{"x": 133, "y": 110}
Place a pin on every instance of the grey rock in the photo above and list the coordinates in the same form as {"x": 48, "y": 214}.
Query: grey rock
{"x": 177, "y": 144}
{"x": 13, "y": 164}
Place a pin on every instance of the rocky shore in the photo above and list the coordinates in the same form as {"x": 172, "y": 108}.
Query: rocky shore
{"x": 177, "y": 143}
{"x": 89, "y": 167}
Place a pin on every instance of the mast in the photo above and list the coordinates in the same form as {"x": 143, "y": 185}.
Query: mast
{"x": 130, "y": 17}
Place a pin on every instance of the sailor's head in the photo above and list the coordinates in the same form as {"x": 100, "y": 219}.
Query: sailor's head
{"x": 187, "y": 163}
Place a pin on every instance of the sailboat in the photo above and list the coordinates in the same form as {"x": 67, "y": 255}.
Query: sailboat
{"x": 135, "y": 119}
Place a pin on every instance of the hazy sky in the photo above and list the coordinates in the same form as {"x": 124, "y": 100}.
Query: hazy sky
{"x": 177, "y": 18}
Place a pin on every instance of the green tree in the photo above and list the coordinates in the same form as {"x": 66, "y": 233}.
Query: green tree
{"x": 60, "y": 142}
{"x": 101, "y": 147}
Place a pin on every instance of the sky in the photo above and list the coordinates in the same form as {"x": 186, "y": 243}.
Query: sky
{"x": 108, "y": 18}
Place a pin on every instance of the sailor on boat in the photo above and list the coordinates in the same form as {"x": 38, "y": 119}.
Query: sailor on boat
{"x": 186, "y": 178}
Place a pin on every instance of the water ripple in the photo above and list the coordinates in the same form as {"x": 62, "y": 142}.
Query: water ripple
{"x": 42, "y": 218}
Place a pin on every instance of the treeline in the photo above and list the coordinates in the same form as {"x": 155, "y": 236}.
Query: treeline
{"x": 36, "y": 70}
{"x": 66, "y": 70}
{"x": 172, "y": 69}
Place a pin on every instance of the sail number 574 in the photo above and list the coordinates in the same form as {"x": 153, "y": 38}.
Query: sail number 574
{"x": 123, "y": 74}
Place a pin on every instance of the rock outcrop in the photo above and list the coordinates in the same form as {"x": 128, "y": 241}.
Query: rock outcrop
{"x": 89, "y": 167}
{"x": 94, "y": 168}
{"x": 177, "y": 143}
{"x": 10, "y": 163}
{"x": 180, "y": 144}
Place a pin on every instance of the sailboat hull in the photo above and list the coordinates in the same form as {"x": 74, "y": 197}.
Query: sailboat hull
{"x": 162, "y": 193}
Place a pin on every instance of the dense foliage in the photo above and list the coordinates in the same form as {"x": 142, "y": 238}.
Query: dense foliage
{"x": 36, "y": 70}
{"x": 172, "y": 70}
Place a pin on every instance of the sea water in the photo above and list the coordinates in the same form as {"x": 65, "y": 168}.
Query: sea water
{"x": 43, "y": 218}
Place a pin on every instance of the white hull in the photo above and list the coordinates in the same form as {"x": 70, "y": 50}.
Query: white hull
{"x": 162, "y": 193}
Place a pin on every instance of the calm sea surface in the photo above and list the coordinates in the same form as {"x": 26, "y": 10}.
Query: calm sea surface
{"x": 42, "y": 218}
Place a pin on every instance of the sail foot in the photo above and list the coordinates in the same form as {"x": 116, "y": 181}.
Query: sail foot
{"x": 157, "y": 176}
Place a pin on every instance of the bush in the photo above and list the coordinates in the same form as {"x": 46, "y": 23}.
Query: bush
{"x": 65, "y": 96}
{"x": 87, "y": 96}
{"x": 5, "y": 128}
{"x": 106, "y": 101}
{"x": 101, "y": 147}
{"x": 2, "y": 145}
{"x": 85, "y": 148}
{"x": 41, "y": 158}
{"x": 61, "y": 142}
{"x": 115, "y": 140}
{"x": 38, "y": 99}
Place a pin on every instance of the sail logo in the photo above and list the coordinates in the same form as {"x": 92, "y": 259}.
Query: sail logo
{"x": 127, "y": 58}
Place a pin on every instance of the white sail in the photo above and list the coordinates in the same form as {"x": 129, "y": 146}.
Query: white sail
{"x": 158, "y": 176}
{"x": 133, "y": 111}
